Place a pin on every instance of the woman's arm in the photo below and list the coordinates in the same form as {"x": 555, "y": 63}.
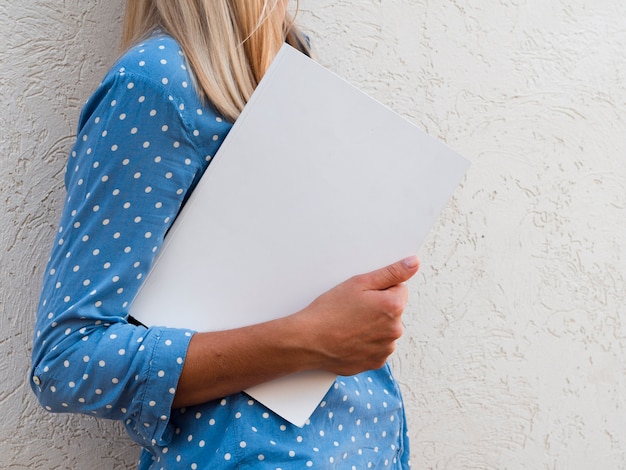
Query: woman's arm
{"x": 144, "y": 139}
{"x": 347, "y": 330}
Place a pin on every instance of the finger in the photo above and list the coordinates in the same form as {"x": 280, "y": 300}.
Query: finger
{"x": 393, "y": 274}
{"x": 394, "y": 299}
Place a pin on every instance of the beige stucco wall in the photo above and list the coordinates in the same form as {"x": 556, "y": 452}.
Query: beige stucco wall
{"x": 515, "y": 343}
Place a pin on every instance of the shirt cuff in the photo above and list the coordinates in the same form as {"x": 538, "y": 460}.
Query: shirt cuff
{"x": 151, "y": 423}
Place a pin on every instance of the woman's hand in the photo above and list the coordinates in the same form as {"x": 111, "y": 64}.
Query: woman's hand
{"x": 354, "y": 326}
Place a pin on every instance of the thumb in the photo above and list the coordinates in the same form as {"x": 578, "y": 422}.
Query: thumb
{"x": 393, "y": 274}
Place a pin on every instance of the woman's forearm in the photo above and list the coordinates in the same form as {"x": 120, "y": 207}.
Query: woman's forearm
{"x": 225, "y": 362}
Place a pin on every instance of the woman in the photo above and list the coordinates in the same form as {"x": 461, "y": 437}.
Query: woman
{"x": 145, "y": 137}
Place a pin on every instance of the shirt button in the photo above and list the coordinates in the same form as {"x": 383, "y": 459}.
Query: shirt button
{"x": 36, "y": 380}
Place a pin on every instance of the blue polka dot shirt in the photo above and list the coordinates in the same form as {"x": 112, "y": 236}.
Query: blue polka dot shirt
{"x": 144, "y": 140}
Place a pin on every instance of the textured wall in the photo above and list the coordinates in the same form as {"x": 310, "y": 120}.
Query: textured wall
{"x": 52, "y": 54}
{"x": 514, "y": 351}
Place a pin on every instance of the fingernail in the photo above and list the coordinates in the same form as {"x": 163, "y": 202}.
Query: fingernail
{"x": 410, "y": 262}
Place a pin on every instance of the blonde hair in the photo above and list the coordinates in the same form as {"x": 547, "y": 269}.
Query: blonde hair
{"x": 229, "y": 44}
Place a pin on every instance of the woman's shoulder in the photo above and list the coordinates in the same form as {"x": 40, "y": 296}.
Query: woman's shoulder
{"x": 159, "y": 58}
{"x": 155, "y": 68}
